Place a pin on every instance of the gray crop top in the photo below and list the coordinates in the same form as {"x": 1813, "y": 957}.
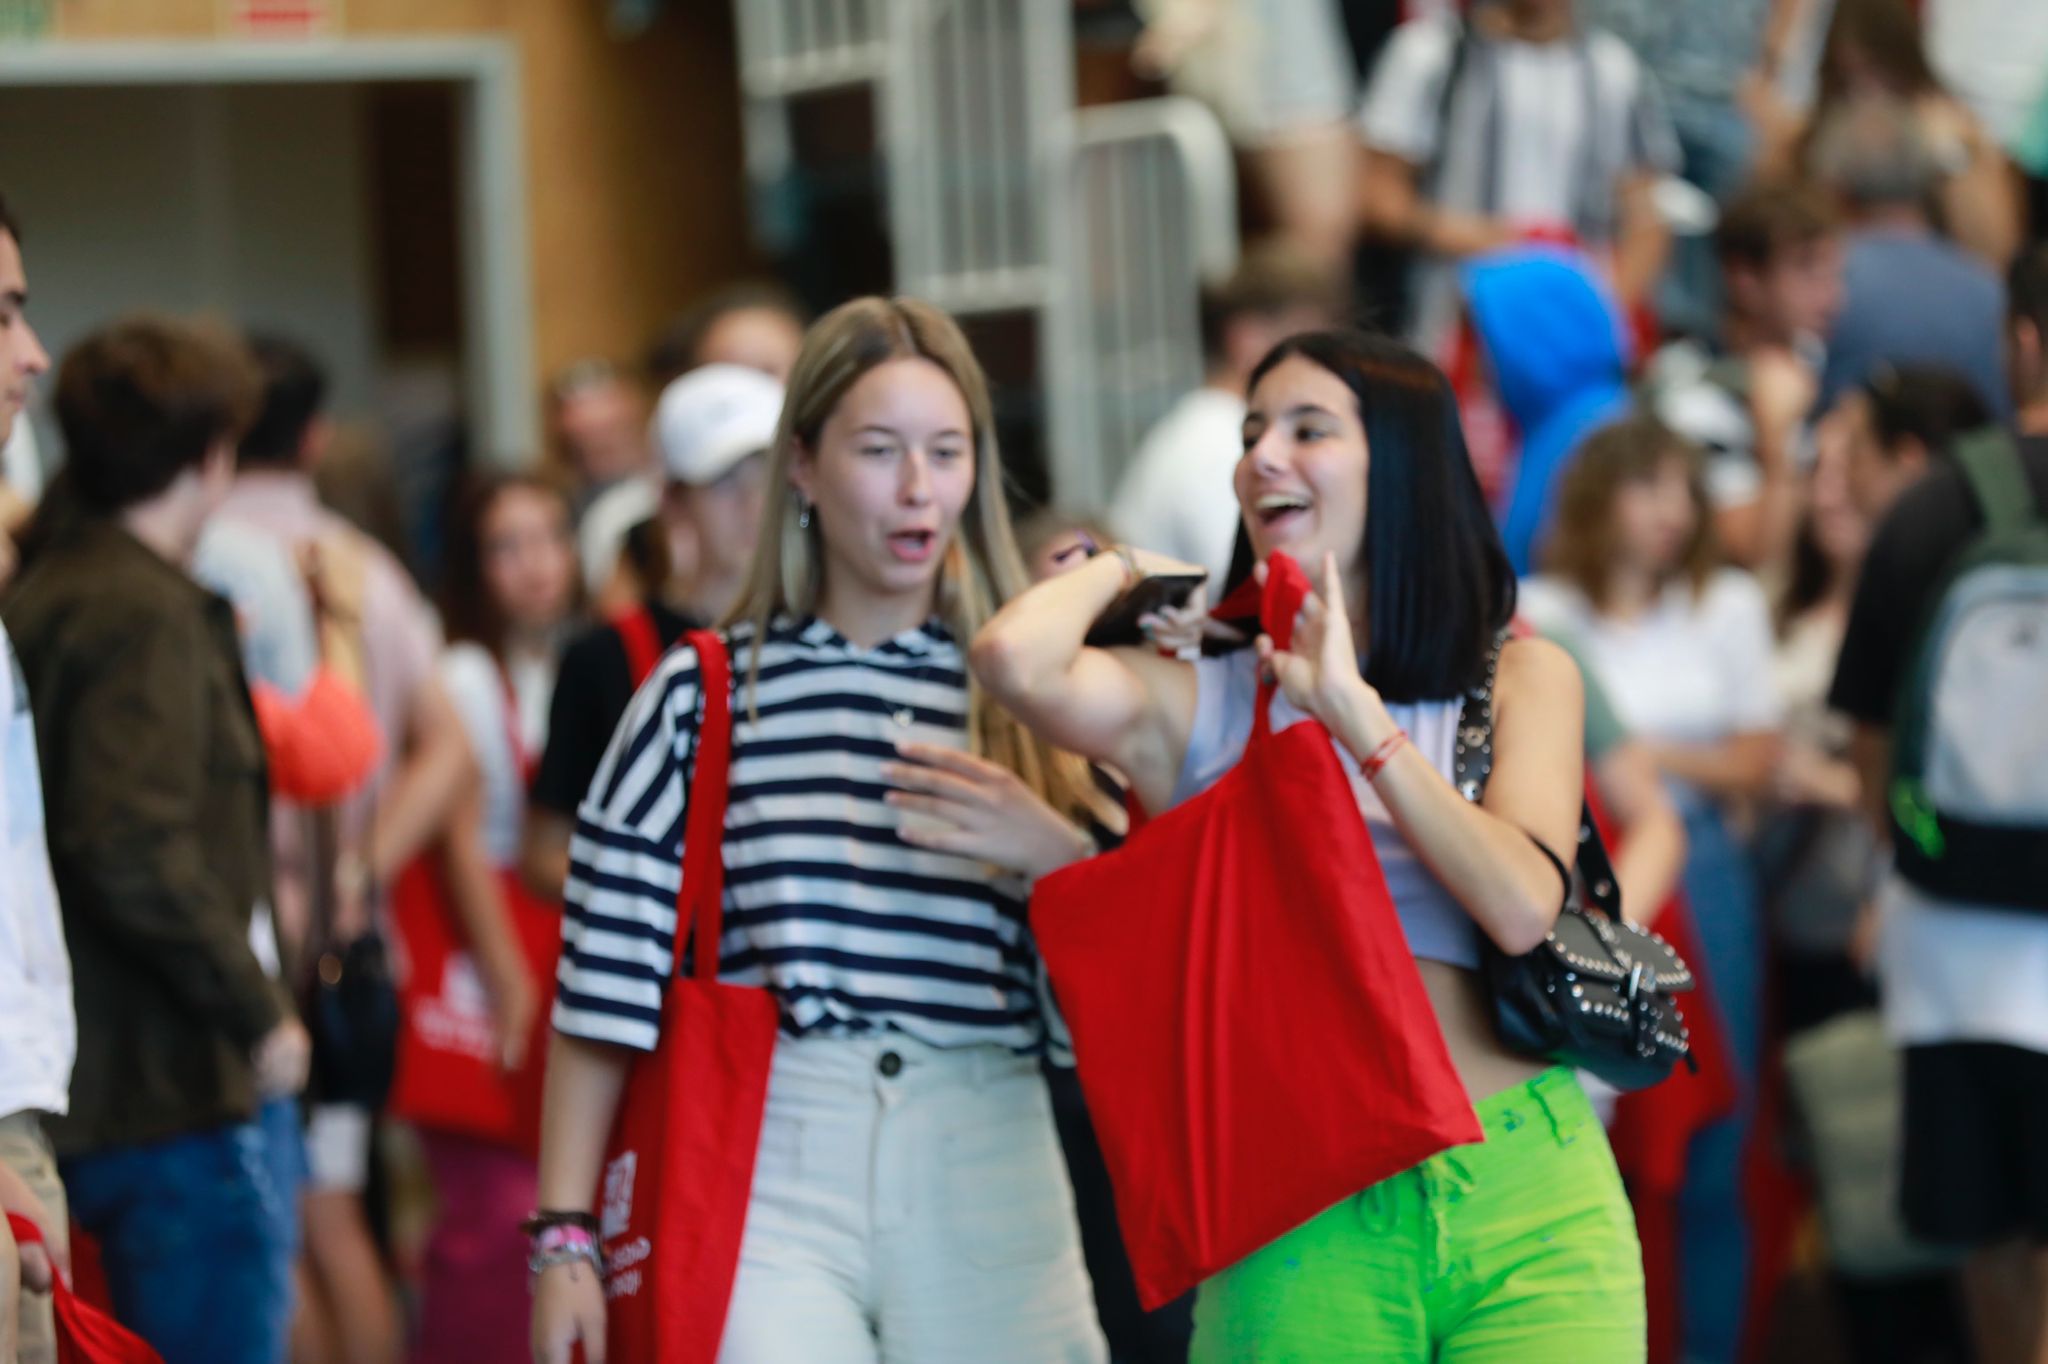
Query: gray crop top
{"x": 1438, "y": 928}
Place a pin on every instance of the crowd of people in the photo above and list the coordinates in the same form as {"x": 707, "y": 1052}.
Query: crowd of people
{"x": 338, "y": 911}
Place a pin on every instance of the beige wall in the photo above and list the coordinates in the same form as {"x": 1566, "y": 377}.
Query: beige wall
{"x": 635, "y": 185}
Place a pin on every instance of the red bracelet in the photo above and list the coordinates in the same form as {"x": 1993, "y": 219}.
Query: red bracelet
{"x": 1379, "y": 756}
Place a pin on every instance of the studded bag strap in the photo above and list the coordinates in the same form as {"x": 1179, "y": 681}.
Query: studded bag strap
{"x": 1472, "y": 766}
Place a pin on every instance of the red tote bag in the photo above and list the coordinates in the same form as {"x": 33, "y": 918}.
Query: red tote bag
{"x": 680, "y": 1166}
{"x": 1253, "y": 1037}
{"x": 85, "y": 1334}
{"x": 448, "y": 1075}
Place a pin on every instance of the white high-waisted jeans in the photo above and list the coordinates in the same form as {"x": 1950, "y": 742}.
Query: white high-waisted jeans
{"x": 910, "y": 1206}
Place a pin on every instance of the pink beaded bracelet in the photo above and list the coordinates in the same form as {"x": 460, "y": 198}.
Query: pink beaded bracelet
{"x": 563, "y": 1244}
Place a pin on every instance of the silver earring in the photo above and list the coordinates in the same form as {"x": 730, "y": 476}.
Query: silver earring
{"x": 803, "y": 517}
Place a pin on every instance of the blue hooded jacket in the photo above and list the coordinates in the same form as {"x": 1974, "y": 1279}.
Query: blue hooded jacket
{"x": 1558, "y": 350}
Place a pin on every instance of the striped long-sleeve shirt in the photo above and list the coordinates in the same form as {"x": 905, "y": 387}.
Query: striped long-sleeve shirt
{"x": 853, "y": 929}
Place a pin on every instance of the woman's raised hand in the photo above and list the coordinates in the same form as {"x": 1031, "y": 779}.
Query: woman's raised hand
{"x": 1318, "y": 671}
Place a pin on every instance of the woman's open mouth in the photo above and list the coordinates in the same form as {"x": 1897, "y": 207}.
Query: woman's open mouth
{"x": 1281, "y": 512}
{"x": 913, "y": 546}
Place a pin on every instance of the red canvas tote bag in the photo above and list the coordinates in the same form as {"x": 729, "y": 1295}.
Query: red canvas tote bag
{"x": 680, "y": 1166}
{"x": 85, "y": 1334}
{"x": 1253, "y": 1037}
{"x": 448, "y": 1074}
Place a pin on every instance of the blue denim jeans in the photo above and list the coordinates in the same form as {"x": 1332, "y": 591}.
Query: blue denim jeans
{"x": 284, "y": 1156}
{"x": 1714, "y": 1231}
{"x": 191, "y": 1237}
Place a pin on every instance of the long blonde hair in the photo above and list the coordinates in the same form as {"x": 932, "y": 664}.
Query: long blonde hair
{"x": 982, "y": 568}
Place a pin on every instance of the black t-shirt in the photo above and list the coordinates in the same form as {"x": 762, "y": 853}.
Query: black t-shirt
{"x": 1930, "y": 524}
{"x": 592, "y": 691}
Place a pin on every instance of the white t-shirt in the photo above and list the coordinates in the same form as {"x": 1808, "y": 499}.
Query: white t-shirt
{"x": 477, "y": 689}
{"x": 1539, "y": 135}
{"x": 1177, "y": 497}
{"x": 21, "y": 464}
{"x": 1954, "y": 973}
{"x": 38, "y": 1031}
{"x": 1691, "y": 669}
{"x": 1994, "y": 54}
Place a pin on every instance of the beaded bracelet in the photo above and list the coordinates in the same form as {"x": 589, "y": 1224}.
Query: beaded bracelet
{"x": 563, "y": 1244}
{"x": 541, "y": 1219}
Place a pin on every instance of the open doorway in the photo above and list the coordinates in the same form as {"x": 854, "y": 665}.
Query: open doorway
{"x": 365, "y": 196}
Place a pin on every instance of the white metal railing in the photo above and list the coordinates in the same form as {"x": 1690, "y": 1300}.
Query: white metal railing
{"x": 1153, "y": 218}
{"x": 794, "y": 47}
{"x": 975, "y": 104}
{"x": 1103, "y": 223}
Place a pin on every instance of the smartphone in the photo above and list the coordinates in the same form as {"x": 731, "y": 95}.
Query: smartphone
{"x": 1118, "y": 624}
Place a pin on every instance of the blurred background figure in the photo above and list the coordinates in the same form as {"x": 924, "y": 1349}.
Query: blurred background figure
{"x": 1874, "y": 50}
{"x": 1054, "y": 541}
{"x": 1683, "y": 645}
{"x": 508, "y": 606}
{"x": 339, "y": 864}
{"x": 628, "y": 551}
{"x": 712, "y": 427}
{"x": 1899, "y": 1298}
{"x": 755, "y": 323}
{"x": 1909, "y": 293}
{"x": 1278, "y": 74}
{"x": 36, "y": 1012}
{"x": 1744, "y": 392}
{"x": 1518, "y": 120}
{"x": 157, "y": 801}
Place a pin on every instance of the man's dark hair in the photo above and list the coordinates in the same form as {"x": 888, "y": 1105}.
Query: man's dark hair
{"x": 1438, "y": 581}
{"x": 294, "y": 392}
{"x": 1266, "y": 283}
{"x": 8, "y": 222}
{"x": 2026, "y": 288}
{"x": 1770, "y": 218}
{"x": 673, "y": 351}
{"x": 143, "y": 400}
{"x": 1932, "y": 403}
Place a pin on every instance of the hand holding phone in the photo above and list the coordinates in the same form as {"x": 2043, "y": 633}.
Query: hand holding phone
{"x": 1118, "y": 624}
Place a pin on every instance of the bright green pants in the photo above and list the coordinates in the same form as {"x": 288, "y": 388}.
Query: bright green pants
{"x": 1522, "y": 1248}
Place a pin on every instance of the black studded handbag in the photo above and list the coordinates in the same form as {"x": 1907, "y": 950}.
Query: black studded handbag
{"x": 1598, "y": 993}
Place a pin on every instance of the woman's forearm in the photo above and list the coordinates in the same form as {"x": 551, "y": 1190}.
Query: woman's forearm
{"x": 1027, "y": 651}
{"x": 1651, "y": 837}
{"x": 474, "y": 893}
{"x": 414, "y": 809}
{"x": 544, "y": 853}
{"x": 1642, "y": 243}
{"x": 1116, "y": 706}
{"x": 1734, "y": 768}
{"x": 585, "y": 1080}
{"x": 1488, "y": 864}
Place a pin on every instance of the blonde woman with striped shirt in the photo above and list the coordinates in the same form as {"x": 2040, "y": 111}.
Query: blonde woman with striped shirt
{"x": 909, "y": 1201}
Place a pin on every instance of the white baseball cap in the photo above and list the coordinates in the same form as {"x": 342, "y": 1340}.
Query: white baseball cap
{"x": 710, "y": 419}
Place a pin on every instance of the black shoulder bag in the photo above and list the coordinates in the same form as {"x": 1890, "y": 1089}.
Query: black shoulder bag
{"x": 1597, "y": 994}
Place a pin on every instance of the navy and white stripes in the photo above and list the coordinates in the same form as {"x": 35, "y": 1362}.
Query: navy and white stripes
{"x": 852, "y": 928}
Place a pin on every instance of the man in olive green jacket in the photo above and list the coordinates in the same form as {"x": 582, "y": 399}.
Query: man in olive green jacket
{"x": 157, "y": 802}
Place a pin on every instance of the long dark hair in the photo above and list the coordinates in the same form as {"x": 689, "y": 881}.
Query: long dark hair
{"x": 1438, "y": 582}
{"x": 1887, "y": 34}
{"x": 467, "y": 611}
